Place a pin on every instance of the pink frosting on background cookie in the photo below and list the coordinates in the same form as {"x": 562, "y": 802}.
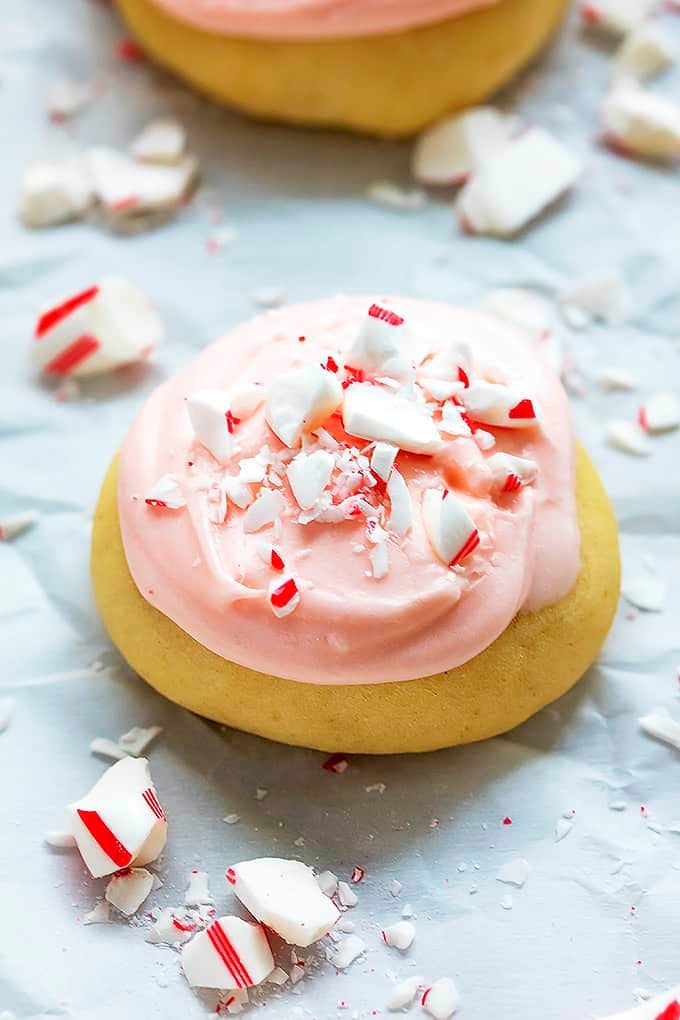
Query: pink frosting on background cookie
{"x": 350, "y": 627}
{"x": 315, "y": 19}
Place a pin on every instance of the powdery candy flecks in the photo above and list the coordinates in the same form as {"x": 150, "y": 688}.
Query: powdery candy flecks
{"x": 285, "y": 896}
{"x": 230, "y": 953}
{"x": 107, "y": 325}
{"x": 120, "y": 822}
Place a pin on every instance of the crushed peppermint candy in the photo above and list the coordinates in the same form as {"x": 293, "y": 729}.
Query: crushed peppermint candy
{"x": 128, "y": 889}
{"x": 661, "y": 725}
{"x": 197, "y": 892}
{"x": 514, "y": 872}
{"x": 346, "y": 895}
{"x": 450, "y": 529}
{"x": 264, "y": 512}
{"x": 162, "y": 141}
{"x": 55, "y": 192}
{"x": 284, "y": 597}
{"x": 637, "y": 122}
{"x": 166, "y": 494}
{"x": 399, "y": 935}
{"x": 404, "y": 992}
{"x": 15, "y": 524}
{"x": 616, "y": 17}
{"x": 336, "y": 763}
{"x": 660, "y": 413}
{"x": 230, "y": 953}
{"x": 449, "y": 151}
{"x": 441, "y": 1000}
{"x": 346, "y": 951}
{"x": 392, "y": 196}
{"x": 644, "y": 52}
{"x": 628, "y": 437}
{"x": 645, "y": 592}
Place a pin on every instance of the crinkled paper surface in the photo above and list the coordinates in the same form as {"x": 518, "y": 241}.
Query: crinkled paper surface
{"x": 598, "y": 916}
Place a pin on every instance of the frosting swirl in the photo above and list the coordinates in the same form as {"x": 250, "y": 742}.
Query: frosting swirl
{"x": 315, "y": 19}
{"x": 390, "y": 582}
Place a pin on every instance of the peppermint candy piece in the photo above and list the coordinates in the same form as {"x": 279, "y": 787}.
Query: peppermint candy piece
{"x": 452, "y": 421}
{"x": 15, "y": 524}
{"x": 230, "y": 953}
{"x": 403, "y": 993}
{"x": 660, "y": 413}
{"x": 514, "y": 187}
{"x": 441, "y": 1000}
{"x": 510, "y": 473}
{"x": 198, "y": 892}
{"x": 616, "y": 17}
{"x": 55, "y": 192}
{"x": 166, "y": 494}
{"x": 246, "y": 399}
{"x": 129, "y": 190}
{"x": 453, "y": 364}
{"x": 346, "y": 951}
{"x": 382, "y": 460}
{"x": 66, "y": 97}
{"x": 327, "y": 883}
{"x": 628, "y": 437}
{"x": 400, "y": 519}
{"x": 662, "y": 1007}
{"x": 603, "y": 295}
{"x": 301, "y": 401}
{"x": 213, "y": 422}
{"x": 107, "y": 325}
{"x": 450, "y": 529}
{"x": 128, "y": 890}
{"x": 285, "y": 896}
{"x": 162, "y": 141}
{"x": 372, "y": 413}
{"x": 120, "y": 822}
{"x": 644, "y": 52}
{"x": 284, "y": 597}
{"x": 399, "y": 935}
{"x": 496, "y": 404}
{"x": 637, "y": 122}
{"x": 379, "y": 346}
{"x": 266, "y": 510}
{"x": 661, "y": 725}
{"x": 309, "y": 475}
{"x": 452, "y": 149}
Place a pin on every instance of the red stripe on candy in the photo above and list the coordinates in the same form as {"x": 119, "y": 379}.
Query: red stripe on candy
{"x": 468, "y": 547}
{"x": 72, "y": 356}
{"x": 282, "y": 595}
{"x": 153, "y": 802}
{"x": 231, "y": 421}
{"x": 231, "y": 876}
{"x": 524, "y": 409}
{"x": 512, "y": 483}
{"x": 104, "y": 838}
{"x": 385, "y": 315}
{"x": 463, "y": 377}
{"x": 276, "y": 560}
{"x": 671, "y": 1012}
{"x": 227, "y": 953}
{"x": 50, "y": 319}
{"x": 331, "y": 364}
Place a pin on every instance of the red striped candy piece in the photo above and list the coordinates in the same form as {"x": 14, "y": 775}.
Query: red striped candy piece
{"x": 230, "y": 953}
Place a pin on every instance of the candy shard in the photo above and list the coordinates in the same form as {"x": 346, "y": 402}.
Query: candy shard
{"x": 510, "y": 473}
{"x": 301, "y": 401}
{"x": 603, "y": 295}
{"x": 346, "y": 951}
{"x": 661, "y": 725}
{"x": 644, "y": 52}
{"x": 401, "y": 514}
{"x": 309, "y": 475}
{"x": 514, "y": 187}
{"x": 266, "y": 509}
{"x": 55, "y": 192}
{"x": 120, "y": 822}
{"x": 660, "y": 413}
{"x": 399, "y": 935}
{"x": 382, "y": 460}
{"x": 230, "y": 953}
{"x": 346, "y": 895}
{"x": 450, "y": 150}
{"x": 514, "y": 872}
{"x": 646, "y": 593}
{"x": 197, "y": 892}
{"x": 442, "y": 999}
{"x": 162, "y": 141}
{"x": 640, "y": 122}
{"x": 208, "y": 411}
{"x": 284, "y": 596}
{"x": 137, "y": 739}
{"x": 166, "y": 494}
{"x": 403, "y": 993}
{"x": 628, "y": 437}
{"x": 450, "y": 529}
{"x": 496, "y": 404}
{"x": 661, "y": 1007}
{"x": 59, "y": 839}
{"x": 128, "y": 890}
{"x": 327, "y": 883}
{"x": 100, "y": 914}
{"x": 376, "y": 414}
{"x": 14, "y": 524}
{"x": 285, "y": 896}
{"x": 392, "y": 196}
{"x": 380, "y": 345}
{"x": 246, "y": 399}
{"x": 617, "y": 17}
{"x": 129, "y": 189}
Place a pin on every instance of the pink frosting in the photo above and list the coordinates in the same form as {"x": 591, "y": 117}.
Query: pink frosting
{"x": 349, "y": 628}
{"x": 315, "y": 19}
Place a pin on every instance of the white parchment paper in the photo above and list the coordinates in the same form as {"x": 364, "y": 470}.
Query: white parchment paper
{"x": 598, "y": 917}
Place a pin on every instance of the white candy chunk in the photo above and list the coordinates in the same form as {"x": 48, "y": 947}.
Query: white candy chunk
{"x": 452, "y": 422}
{"x": 454, "y": 363}
{"x": 161, "y": 141}
{"x": 496, "y": 404}
{"x": 238, "y": 492}
{"x": 512, "y": 188}
{"x": 390, "y": 195}
{"x": 301, "y": 401}
{"x": 277, "y": 977}
{"x": 395, "y": 884}
{"x": 198, "y": 892}
{"x": 510, "y": 473}
{"x": 309, "y": 475}
{"x": 603, "y": 295}
{"x": 346, "y": 895}
{"x": 110, "y": 324}
{"x": 380, "y": 344}
{"x": 120, "y": 822}
{"x": 285, "y": 896}
{"x": 59, "y": 840}
{"x": 660, "y": 413}
{"x": 616, "y": 17}
{"x": 441, "y": 389}
{"x": 7, "y": 707}
{"x": 563, "y": 827}
{"x": 376, "y": 414}
{"x": 484, "y": 440}
{"x": 166, "y": 493}
{"x": 380, "y": 560}
{"x": 66, "y": 97}
{"x": 327, "y": 883}
{"x": 284, "y": 596}
{"x": 246, "y": 399}
{"x": 662, "y": 1007}
{"x": 230, "y": 953}
{"x": 514, "y": 872}
{"x": 136, "y": 740}
{"x": 54, "y": 193}
{"x": 661, "y": 725}
{"x": 126, "y": 187}
{"x": 251, "y": 470}
{"x": 401, "y": 513}
{"x": 209, "y": 413}
{"x": 169, "y": 930}
{"x": 14, "y": 524}
{"x": 399, "y": 935}
{"x": 442, "y": 999}
{"x": 450, "y": 529}
{"x": 266, "y": 509}
{"x": 382, "y": 459}
{"x": 641, "y": 123}
{"x": 644, "y": 52}
{"x": 646, "y": 593}
{"x": 458, "y": 146}
{"x": 101, "y": 914}
{"x": 611, "y": 377}
{"x": 628, "y": 437}
{"x": 346, "y": 951}
{"x": 403, "y": 993}
{"x": 523, "y": 309}
{"x": 127, "y": 891}
{"x": 107, "y": 748}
